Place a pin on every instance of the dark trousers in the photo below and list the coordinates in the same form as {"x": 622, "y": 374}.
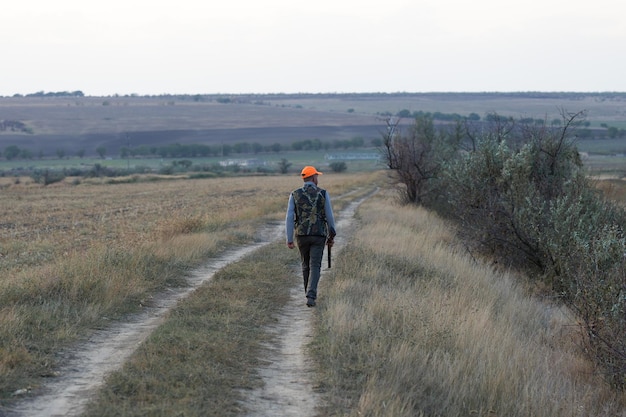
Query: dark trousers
{"x": 311, "y": 254}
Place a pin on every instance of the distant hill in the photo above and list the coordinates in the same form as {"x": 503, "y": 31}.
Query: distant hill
{"x": 74, "y": 122}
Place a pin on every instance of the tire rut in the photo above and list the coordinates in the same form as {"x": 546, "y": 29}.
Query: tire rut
{"x": 287, "y": 388}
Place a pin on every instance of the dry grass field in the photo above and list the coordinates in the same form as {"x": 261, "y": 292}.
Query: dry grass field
{"x": 410, "y": 324}
{"x": 74, "y": 257}
{"x": 414, "y": 326}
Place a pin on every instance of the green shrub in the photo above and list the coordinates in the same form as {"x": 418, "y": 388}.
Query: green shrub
{"x": 521, "y": 196}
{"x": 338, "y": 166}
{"x": 502, "y": 191}
{"x": 47, "y": 176}
{"x": 589, "y": 249}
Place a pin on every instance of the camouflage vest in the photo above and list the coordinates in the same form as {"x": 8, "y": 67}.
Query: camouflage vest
{"x": 310, "y": 216}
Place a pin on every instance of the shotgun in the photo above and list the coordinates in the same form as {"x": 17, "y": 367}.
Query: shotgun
{"x": 330, "y": 241}
{"x": 329, "y": 257}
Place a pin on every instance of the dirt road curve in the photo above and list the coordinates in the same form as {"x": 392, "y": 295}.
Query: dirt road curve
{"x": 287, "y": 389}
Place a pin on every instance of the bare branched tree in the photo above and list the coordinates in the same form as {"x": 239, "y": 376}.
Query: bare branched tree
{"x": 416, "y": 157}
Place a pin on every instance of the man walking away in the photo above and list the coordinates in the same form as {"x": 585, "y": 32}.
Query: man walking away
{"x": 310, "y": 218}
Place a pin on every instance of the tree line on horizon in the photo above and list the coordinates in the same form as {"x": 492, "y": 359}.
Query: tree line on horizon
{"x": 239, "y": 96}
{"x": 196, "y": 150}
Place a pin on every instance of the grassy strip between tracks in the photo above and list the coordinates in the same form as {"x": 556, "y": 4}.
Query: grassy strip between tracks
{"x": 198, "y": 362}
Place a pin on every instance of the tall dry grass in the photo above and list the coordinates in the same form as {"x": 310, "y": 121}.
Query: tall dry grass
{"x": 613, "y": 189}
{"x": 75, "y": 257}
{"x": 412, "y": 326}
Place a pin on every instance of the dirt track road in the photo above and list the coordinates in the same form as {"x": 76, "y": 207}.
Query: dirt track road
{"x": 287, "y": 388}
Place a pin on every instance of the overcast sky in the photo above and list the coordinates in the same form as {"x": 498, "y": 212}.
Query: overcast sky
{"x": 289, "y": 46}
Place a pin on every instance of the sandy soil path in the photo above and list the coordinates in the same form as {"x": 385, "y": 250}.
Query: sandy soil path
{"x": 287, "y": 388}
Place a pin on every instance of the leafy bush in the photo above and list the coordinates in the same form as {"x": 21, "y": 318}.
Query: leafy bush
{"x": 283, "y": 166}
{"x": 47, "y": 176}
{"x": 589, "y": 249}
{"x": 338, "y": 166}
{"x": 519, "y": 194}
{"x": 502, "y": 191}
